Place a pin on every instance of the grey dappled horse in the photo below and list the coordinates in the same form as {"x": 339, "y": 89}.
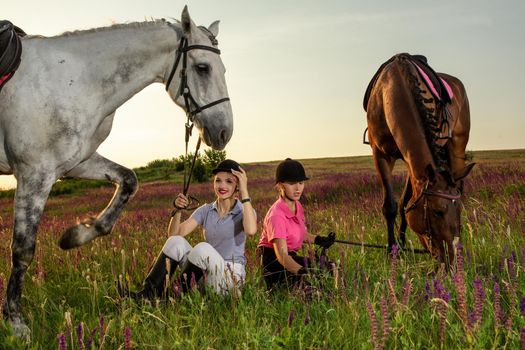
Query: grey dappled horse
{"x": 59, "y": 107}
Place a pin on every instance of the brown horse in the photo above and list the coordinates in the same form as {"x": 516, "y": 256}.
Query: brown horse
{"x": 406, "y": 121}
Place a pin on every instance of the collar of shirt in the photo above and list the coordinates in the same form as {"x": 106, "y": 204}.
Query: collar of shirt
{"x": 286, "y": 210}
{"x": 237, "y": 208}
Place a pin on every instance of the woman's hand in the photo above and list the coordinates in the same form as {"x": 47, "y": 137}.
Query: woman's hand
{"x": 243, "y": 182}
{"x": 181, "y": 202}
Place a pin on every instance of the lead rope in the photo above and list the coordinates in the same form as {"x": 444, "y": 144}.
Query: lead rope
{"x": 193, "y": 202}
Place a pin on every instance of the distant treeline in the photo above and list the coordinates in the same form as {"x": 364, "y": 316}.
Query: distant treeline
{"x": 156, "y": 170}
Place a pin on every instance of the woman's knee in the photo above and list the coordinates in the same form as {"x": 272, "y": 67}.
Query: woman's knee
{"x": 176, "y": 247}
{"x": 204, "y": 256}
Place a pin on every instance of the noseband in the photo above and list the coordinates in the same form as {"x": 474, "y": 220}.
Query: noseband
{"x": 184, "y": 89}
{"x": 424, "y": 195}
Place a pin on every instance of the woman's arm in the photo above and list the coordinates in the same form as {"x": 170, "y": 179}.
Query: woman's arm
{"x": 176, "y": 228}
{"x": 281, "y": 252}
{"x": 249, "y": 221}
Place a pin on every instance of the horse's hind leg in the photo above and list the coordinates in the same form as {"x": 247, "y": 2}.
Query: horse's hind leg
{"x": 30, "y": 198}
{"x": 405, "y": 198}
{"x": 100, "y": 168}
{"x": 384, "y": 169}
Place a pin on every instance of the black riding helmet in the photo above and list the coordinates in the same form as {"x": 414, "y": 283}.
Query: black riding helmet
{"x": 290, "y": 170}
{"x": 226, "y": 165}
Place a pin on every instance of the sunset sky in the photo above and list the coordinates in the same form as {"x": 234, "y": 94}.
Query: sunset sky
{"x": 297, "y": 70}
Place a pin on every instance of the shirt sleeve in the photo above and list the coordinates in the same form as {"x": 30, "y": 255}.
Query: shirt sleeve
{"x": 199, "y": 214}
{"x": 276, "y": 228}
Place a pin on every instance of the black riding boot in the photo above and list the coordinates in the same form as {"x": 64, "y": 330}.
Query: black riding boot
{"x": 190, "y": 276}
{"x": 154, "y": 282}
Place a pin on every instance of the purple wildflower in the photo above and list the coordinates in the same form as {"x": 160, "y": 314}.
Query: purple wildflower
{"x": 459, "y": 282}
{"x": 479, "y": 298}
{"x": 127, "y": 338}
{"x": 91, "y": 338}
{"x": 522, "y": 306}
{"x": 62, "y": 341}
{"x": 512, "y": 304}
{"x": 391, "y": 294}
{"x": 522, "y": 338}
{"x": 498, "y": 312}
{"x": 291, "y": 317}
{"x": 374, "y": 326}
{"x": 428, "y": 291}
{"x": 80, "y": 336}
{"x": 1, "y": 293}
{"x": 393, "y": 264}
{"x": 307, "y": 318}
{"x": 407, "y": 289}
{"x": 102, "y": 327}
{"x": 386, "y": 321}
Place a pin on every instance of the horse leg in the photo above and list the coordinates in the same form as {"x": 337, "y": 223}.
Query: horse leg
{"x": 30, "y": 199}
{"x": 405, "y": 198}
{"x": 384, "y": 168}
{"x": 100, "y": 168}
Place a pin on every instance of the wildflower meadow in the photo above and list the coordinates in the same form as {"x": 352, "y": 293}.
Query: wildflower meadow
{"x": 375, "y": 300}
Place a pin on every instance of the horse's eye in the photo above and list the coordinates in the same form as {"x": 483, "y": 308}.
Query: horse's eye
{"x": 439, "y": 213}
{"x": 202, "y": 68}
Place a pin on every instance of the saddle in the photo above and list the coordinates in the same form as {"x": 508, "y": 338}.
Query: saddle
{"x": 10, "y": 50}
{"x": 437, "y": 86}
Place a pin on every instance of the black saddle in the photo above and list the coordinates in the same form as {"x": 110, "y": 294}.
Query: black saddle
{"x": 10, "y": 50}
{"x": 421, "y": 62}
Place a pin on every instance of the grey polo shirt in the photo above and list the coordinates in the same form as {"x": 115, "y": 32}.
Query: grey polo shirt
{"x": 224, "y": 234}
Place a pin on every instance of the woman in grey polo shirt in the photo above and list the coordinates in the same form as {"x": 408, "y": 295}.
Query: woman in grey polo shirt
{"x": 225, "y": 223}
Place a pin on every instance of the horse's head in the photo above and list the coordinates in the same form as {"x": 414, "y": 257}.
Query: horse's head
{"x": 202, "y": 90}
{"x": 435, "y": 209}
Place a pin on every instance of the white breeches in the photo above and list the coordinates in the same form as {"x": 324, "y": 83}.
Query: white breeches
{"x": 223, "y": 276}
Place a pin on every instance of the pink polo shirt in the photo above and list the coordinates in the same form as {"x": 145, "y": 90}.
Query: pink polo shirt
{"x": 280, "y": 222}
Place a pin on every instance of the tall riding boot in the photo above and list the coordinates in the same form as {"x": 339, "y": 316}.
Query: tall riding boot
{"x": 190, "y": 277}
{"x": 154, "y": 282}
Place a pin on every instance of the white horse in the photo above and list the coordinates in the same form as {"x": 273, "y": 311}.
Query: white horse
{"x": 59, "y": 107}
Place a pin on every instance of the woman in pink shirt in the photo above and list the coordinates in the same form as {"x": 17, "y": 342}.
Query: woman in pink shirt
{"x": 284, "y": 229}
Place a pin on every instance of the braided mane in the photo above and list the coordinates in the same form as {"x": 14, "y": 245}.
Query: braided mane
{"x": 427, "y": 110}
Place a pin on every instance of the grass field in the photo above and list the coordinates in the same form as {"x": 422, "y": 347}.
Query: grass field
{"x": 376, "y": 301}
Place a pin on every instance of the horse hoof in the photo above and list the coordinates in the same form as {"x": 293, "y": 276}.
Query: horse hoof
{"x": 77, "y": 235}
{"x": 21, "y": 331}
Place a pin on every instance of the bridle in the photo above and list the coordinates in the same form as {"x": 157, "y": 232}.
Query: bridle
{"x": 424, "y": 195}
{"x": 184, "y": 90}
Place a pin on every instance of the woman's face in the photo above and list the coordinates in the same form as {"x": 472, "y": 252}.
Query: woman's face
{"x": 224, "y": 185}
{"x": 292, "y": 190}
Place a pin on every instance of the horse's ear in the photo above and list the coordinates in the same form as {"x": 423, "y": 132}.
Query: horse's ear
{"x": 214, "y": 28}
{"x": 461, "y": 174}
{"x": 431, "y": 174}
{"x": 186, "y": 20}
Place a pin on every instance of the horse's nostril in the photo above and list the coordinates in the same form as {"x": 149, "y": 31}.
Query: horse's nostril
{"x": 223, "y": 135}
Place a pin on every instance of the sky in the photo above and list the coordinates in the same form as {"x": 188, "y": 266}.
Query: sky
{"x": 297, "y": 69}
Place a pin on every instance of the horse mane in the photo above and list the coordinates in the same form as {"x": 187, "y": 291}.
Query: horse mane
{"x": 114, "y": 26}
{"x": 429, "y": 117}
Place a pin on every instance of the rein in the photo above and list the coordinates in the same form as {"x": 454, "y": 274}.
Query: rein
{"x": 189, "y": 101}
{"x": 379, "y": 246}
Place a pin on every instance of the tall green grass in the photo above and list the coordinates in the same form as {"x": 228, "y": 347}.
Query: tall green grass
{"x": 375, "y": 301}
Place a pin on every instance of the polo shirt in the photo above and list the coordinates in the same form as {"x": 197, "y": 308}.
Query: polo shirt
{"x": 225, "y": 234}
{"x": 280, "y": 222}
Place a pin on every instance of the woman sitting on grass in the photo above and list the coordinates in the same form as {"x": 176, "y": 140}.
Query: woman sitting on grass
{"x": 284, "y": 229}
{"x": 225, "y": 223}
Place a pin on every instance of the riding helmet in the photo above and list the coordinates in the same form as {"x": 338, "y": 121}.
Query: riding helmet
{"x": 226, "y": 165}
{"x": 290, "y": 170}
